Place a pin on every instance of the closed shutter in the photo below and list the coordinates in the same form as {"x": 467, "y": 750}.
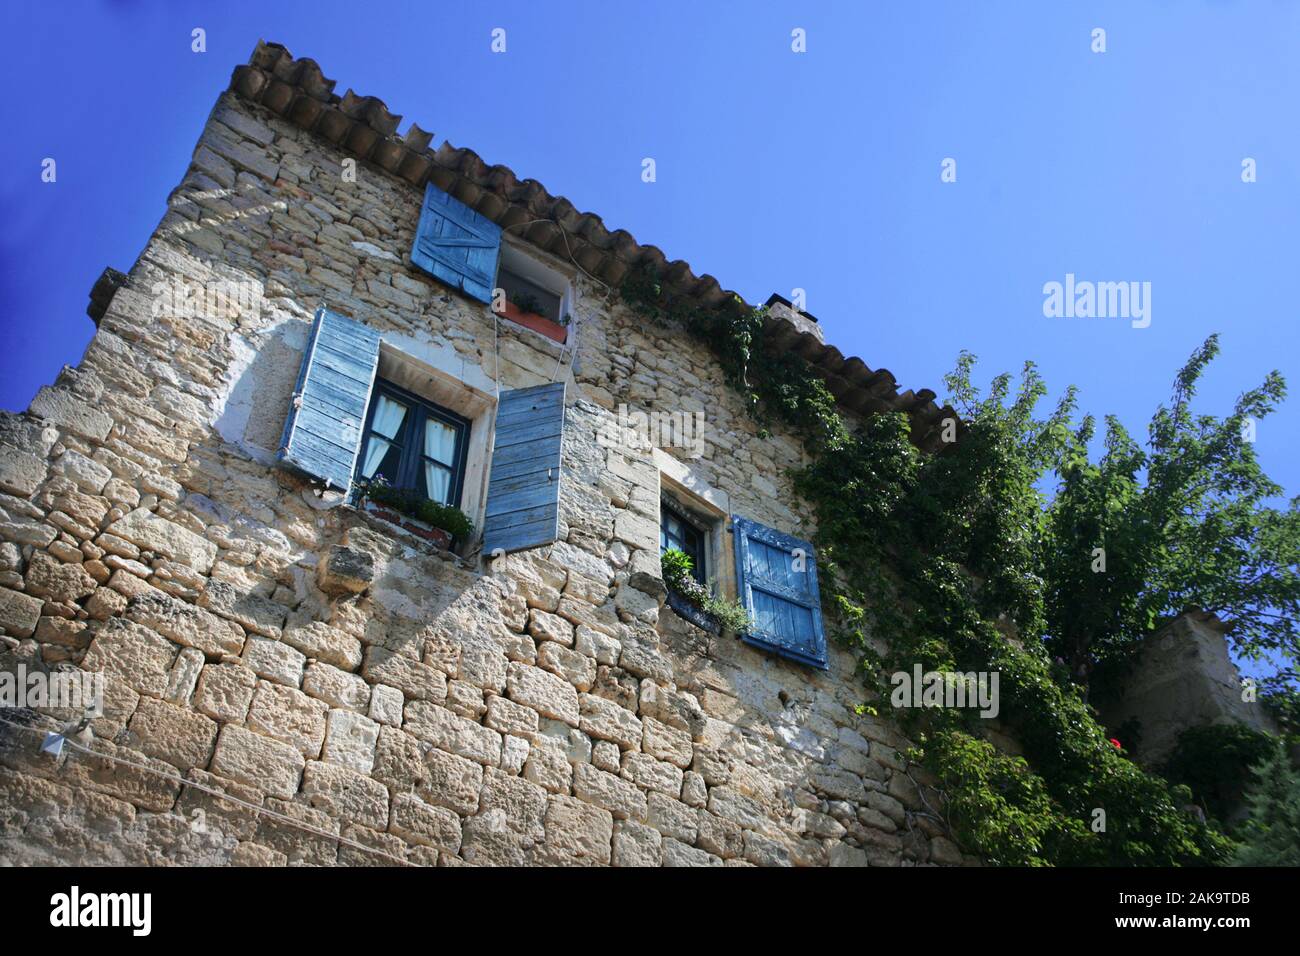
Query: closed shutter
{"x": 457, "y": 245}
{"x": 776, "y": 578}
{"x": 323, "y": 431}
{"x": 523, "y": 501}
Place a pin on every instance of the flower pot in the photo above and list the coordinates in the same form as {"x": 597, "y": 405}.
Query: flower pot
{"x": 531, "y": 320}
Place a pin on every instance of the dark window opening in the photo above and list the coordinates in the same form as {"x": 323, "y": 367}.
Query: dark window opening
{"x": 528, "y": 296}
{"x": 676, "y": 530}
{"x": 414, "y": 445}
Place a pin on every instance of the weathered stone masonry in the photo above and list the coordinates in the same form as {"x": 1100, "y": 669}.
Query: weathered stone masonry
{"x": 261, "y": 636}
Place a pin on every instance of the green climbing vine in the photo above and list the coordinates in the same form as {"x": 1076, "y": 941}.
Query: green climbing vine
{"x": 931, "y": 559}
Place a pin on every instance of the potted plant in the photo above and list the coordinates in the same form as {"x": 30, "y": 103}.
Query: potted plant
{"x": 695, "y": 602}
{"x": 524, "y": 309}
{"x": 443, "y": 525}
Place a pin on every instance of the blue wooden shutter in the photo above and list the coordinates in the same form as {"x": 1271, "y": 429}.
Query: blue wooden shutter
{"x": 523, "y": 501}
{"x": 323, "y": 431}
{"x": 784, "y": 603}
{"x": 457, "y": 245}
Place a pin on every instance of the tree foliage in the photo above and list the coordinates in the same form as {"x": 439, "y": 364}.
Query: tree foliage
{"x": 1272, "y": 834}
{"x": 960, "y": 561}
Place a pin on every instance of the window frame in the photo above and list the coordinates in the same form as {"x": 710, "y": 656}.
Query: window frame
{"x": 700, "y": 570}
{"x": 411, "y": 439}
{"x": 532, "y": 270}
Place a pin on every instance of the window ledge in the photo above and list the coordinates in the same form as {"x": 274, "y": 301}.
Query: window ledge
{"x": 692, "y": 614}
{"x": 433, "y": 541}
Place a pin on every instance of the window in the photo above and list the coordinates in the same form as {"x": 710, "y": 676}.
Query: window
{"x": 528, "y": 295}
{"x": 414, "y": 445}
{"x": 676, "y": 530}
{"x": 532, "y": 294}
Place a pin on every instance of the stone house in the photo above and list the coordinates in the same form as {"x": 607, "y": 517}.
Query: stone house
{"x": 326, "y": 302}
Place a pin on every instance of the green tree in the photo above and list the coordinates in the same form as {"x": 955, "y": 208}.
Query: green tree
{"x": 1183, "y": 523}
{"x": 1271, "y": 837}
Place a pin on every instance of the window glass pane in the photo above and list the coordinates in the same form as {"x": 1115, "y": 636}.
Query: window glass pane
{"x": 437, "y": 482}
{"x": 382, "y": 456}
{"x": 389, "y": 416}
{"x": 440, "y": 441}
{"x": 677, "y": 533}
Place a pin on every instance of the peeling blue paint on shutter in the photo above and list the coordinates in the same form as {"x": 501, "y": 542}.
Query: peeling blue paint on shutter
{"x": 457, "y": 245}
{"x": 783, "y": 601}
{"x": 323, "y": 431}
{"x": 523, "y": 500}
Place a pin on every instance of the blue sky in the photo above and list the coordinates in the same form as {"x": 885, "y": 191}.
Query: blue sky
{"x": 775, "y": 170}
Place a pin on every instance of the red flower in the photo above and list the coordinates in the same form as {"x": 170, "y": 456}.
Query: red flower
{"x": 1116, "y": 743}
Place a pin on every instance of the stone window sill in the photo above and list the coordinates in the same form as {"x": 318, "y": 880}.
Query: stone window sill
{"x": 433, "y": 541}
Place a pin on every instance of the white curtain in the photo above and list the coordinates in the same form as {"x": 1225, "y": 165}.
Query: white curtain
{"x": 440, "y": 445}
{"x": 387, "y": 422}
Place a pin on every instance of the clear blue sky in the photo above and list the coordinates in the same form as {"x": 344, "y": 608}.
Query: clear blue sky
{"x": 776, "y": 170}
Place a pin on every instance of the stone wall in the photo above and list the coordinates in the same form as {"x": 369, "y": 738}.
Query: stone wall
{"x": 263, "y": 638}
{"x": 1181, "y": 678}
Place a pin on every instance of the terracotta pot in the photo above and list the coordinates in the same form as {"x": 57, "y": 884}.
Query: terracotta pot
{"x": 531, "y": 320}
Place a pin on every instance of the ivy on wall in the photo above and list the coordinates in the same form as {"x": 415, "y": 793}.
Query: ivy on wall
{"x": 930, "y": 559}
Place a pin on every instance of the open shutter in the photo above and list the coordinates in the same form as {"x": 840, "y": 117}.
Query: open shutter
{"x": 323, "y": 431}
{"x": 457, "y": 245}
{"x": 523, "y": 500}
{"x": 776, "y": 578}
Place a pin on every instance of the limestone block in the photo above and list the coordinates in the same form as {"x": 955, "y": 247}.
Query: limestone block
{"x": 345, "y": 794}
{"x": 71, "y": 412}
{"x": 253, "y": 613}
{"x": 184, "y": 676}
{"x": 413, "y": 678}
{"x": 351, "y": 740}
{"x": 543, "y": 692}
{"x": 330, "y": 645}
{"x": 651, "y": 774}
{"x": 720, "y": 837}
{"x": 268, "y": 765}
{"x": 578, "y": 669}
{"x": 416, "y": 822}
{"x": 608, "y": 721}
{"x": 20, "y": 473}
{"x": 676, "y": 853}
{"x": 225, "y": 692}
{"x": 549, "y": 768}
{"x": 49, "y": 578}
{"x": 550, "y": 627}
{"x": 605, "y": 790}
{"x": 511, "y": 718}
{"x": 452, "y": 782}
{"x": 19, "y": 613}
{"x": 152, "y": 532}
{"x": 345, "y": 570}
{"x": 453, "y": 733}
{"x": 635, "y": 844}
{"x": 522, "y": 802}
{"x": 138, "y": 656}
{"x": 274, "y": 660}
{"x": 172, "y": 733}
{"x": 337, "y": 688}
{"x": 386, "y": 705}
{"x": 186, "y": 624}
{"x": 288, "y": 715}
{"x": 579, "y": 829}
